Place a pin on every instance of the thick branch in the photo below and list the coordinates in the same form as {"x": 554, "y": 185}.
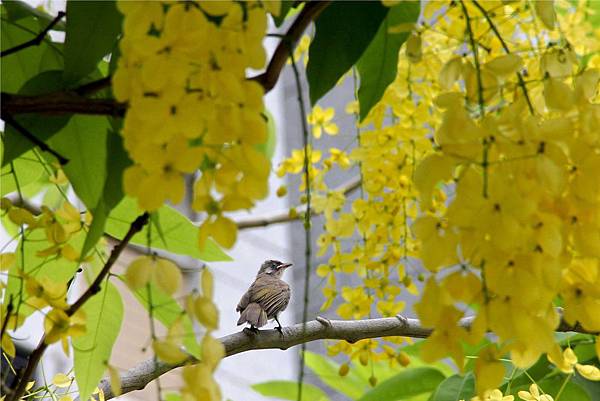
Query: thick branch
{"x": 309, "y": 13}
{"x": 285, "y": 217}
{"x": 60, "y": 103}
{"x": 38, "y": 352}
{"x": 37, "y": 40}
{"x": 139, "y": 376}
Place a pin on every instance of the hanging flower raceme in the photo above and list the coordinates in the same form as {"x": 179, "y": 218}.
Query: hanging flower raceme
{"x": 190, "y": 106}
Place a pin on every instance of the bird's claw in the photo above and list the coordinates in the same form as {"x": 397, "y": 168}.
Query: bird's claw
{"x": 253, "y": 330}
{"x": 279, "y": 329}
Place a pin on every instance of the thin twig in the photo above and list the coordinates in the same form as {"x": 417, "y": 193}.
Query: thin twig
{"x": 309, "y": 13}
{"x": 307, "y": 217}
{"x": 285, "y": 217}
{"x": 507, "y": 50}
{"x": 33, "y": 139}
{"x": 321, "y": 329}
{"x": 93, "y": 289}
{"x": 37, "y": 40}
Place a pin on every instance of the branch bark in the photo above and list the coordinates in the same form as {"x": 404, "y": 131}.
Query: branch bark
{"x": 309, "y": 13}
{"x": 285, "y": 217}
{"x": 139, "y": 376}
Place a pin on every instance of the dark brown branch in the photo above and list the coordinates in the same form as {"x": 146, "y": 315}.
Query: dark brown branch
{"x": 139, "y": 376}
{"x": 93, "y": 289}
{"x": 33, "y": 139}
{"x": 309, "y": 13}
{"x": 285, "y": 217}
{"x": 60, "y": 103}
{"x": 37, "y": 40}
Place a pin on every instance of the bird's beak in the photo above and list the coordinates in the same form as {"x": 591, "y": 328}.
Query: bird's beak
{"x": 283, "y": 266}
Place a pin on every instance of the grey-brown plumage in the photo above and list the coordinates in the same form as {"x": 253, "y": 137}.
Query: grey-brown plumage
{"x": 267, "y": 297}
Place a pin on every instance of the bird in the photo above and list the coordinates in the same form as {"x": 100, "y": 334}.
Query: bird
{"x": 266, "y": 298}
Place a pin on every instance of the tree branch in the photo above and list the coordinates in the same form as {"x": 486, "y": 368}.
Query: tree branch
{"x": 60, "y": 103}
{"x": 309, "y": 13}
{"x": 33, "y": 139}
{"x": 285, "y": 217}
{"x": 38, "y": 352}
{"x": 139, "y": 376}
{"x": 74, "y": 101}
{"x": 37, "y": 40}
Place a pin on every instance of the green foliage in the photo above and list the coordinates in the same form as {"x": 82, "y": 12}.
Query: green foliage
{"x": 552, "y": 385}
{"x": 83, "y": 142}
{"x": 112, "y": 192}
{"x": 42, "y": 127}
{"x": 92, "y": 30}
{"x": 286, "y": 6}
{"x": 455, "y": 388}
{"x": 27, "y": 169}
{"x": 104, "y": 314}
{"x": 288, "y": 390}
{"x": 166, "y": 310}
{"x": 180, "y": 235}
{"x": 378, "y": 64}
{"x": 60, "y": 270}
{"x": 327, "y": 370}
{"x": 17, "y": 9}
{"x": 343, "y": 32}
{"x": 406, "y": 384}
{"x": 23, "y": 65}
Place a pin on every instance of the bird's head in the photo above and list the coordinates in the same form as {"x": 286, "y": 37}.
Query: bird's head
{"x": 273, "y": 267}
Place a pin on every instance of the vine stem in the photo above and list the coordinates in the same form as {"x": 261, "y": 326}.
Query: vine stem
{"x": 307, "y": 221}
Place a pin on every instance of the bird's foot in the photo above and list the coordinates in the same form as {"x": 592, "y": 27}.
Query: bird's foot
{"x": 279, "y": 329}
{"x": 251, "y": 330}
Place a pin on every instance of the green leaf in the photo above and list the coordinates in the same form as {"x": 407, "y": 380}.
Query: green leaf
{"x": 343, "y": 32}
{"x": 83, "y": 142}
{"x": 42, "y": 127}
{"x": 288, "y": 390}
{"x": 17, "y": 9}
{"x": 104, "y": 314}
{"x": 378, "y": 64}
{"x": 19, "y": 67}
{"x": 327, "y": 370}
{"x": 411, "y": 382}
{"x": 92, "y": 30}
{"x": 166, "y": 310}
{"x": 455, "y": 388}
{"x": 181, "y": 236}
{"x": 112, "y": 192}
{"x": 268, "y": 148}
{"x": 59, "y": 270}
{"x": 27, "y": 169}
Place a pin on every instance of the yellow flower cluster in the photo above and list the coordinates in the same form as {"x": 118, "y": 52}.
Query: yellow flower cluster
{"x": 516, "y": 232}
{"x": 486, "y": 172}
{"x": 190, "y": 107}
{"x": 60, "y": 229}
{"x": 199, "y": 383}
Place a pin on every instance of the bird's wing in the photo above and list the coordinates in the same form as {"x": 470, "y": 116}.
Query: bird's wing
{"x": 273, "y": 297}
{"x": 243, "y": 302}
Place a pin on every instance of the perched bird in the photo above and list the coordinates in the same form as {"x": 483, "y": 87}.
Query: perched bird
{"x": 266, "y": 298}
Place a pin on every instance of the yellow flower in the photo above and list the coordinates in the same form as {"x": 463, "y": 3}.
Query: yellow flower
{"x": 494, "y": 395}
{"x": 534, "y": 394}
{"x": 58, "y": 325}
{"x": 321, "y": 121}
{"x": 164, "y": 273}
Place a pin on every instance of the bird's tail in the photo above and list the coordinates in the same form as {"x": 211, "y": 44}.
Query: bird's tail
{"x": 253, "y": 314}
